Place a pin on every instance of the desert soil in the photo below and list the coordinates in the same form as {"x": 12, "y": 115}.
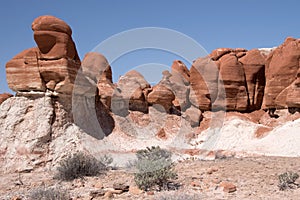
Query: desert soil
{"x": 254, "y": 178}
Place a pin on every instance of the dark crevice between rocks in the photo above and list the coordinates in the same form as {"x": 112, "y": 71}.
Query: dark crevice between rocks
{"x": 272, "y": 114}
{"x": 54, "y": 117}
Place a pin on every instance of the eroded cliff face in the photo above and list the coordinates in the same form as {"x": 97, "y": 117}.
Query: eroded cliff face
{"x": 282, "y": 76}
{"x": 62, "y": 105}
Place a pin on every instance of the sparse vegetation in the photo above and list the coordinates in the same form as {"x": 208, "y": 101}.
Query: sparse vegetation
{"x": 154, "y": 169}
{"x": 287, "y": 180}
{"x": 107, "y": 161}
{"x": 42, "y": 193}
{"x": 79, "y": 165}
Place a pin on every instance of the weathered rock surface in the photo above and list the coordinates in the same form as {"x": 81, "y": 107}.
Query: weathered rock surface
{"x": 254, "y": 67}
{"x": 52, "y": 65}
{"x": 178, "y": 82}
{"x": 231, "y": 79}
{"x": 178, "y": 67}
{"x": 193, "y": 115}
{"x": 25, "y": 127}
{"x": 232, "y": 75}
{"x": 50, "y": 23}
{"x": 36, "y": 132}
{"x": 22, "y": 72}
{"x": 161, "y": 96}
{"x": 204, "y": 75}
{"x": 282, "y": 76}
{"x": 95, "y": 66}
{"x": 97, "y": 74}
{"x": 130, "y": 93}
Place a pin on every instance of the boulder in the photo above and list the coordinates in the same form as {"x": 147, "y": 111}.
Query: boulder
{"x": 55, "y": 45}
{"x": 95, "y": 66}
{"x": 135, "y": 78}
{"x": 130, "y": 93}
{"x": 50, "y": 23}
{"x": 193, "y": 115}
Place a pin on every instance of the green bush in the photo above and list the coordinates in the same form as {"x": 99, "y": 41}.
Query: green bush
{"x": 42, "y": 193}
{"x": 79, "y": 165}
{"x": 154, "y": 168}
{"x": 287, "y": 180}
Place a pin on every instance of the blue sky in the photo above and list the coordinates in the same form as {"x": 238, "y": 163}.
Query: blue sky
{"x": 213, "y": 24}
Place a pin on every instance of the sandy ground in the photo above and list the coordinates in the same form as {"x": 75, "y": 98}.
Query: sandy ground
{"x": 254, "y": 178}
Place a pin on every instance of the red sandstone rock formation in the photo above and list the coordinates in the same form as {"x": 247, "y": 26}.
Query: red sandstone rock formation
{"x": 282, "y": 76}
{"x": 130, "y": 93}
{"x": 233, "y": 79}
{"x": 204, "y": 75}
{"x": 230, "y": 78}
{"x": 254, "y": 67}
{"x": 161, "y": 95}
{"x": 233, "y": 76}
{"x": 52, "y": 65}
{"x": 179, "y": 67}
{"x": 96, "y": 68}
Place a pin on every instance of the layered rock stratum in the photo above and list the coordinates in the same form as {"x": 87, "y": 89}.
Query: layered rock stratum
{"x": 216, "y": 108}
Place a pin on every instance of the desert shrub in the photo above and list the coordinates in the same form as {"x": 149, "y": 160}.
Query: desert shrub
{"x": 154, "y": 168}
{"x": 43, "y": 193}
{"x": 177, "y": 196}
{"x": 287, "y": 180}
{"x": 106, "y": 160}
{"x": 79, "y": 165}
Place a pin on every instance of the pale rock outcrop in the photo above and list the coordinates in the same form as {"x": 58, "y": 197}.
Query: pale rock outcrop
{"x": 25, "y": 127}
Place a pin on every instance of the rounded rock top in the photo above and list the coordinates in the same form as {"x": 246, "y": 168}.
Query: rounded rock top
{"x": 50, "y": 23}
